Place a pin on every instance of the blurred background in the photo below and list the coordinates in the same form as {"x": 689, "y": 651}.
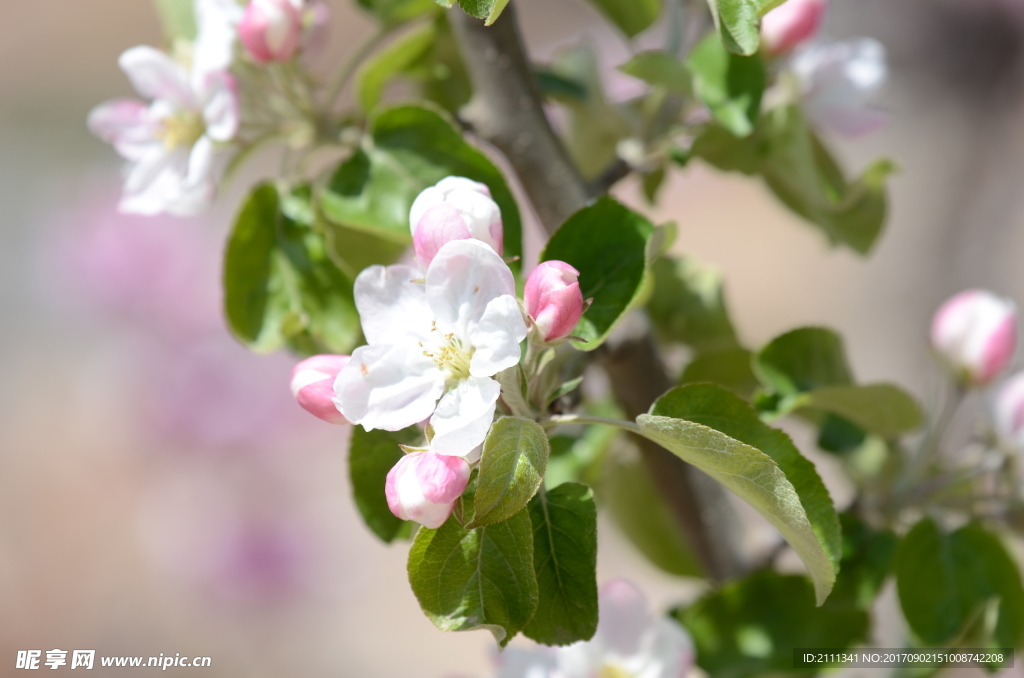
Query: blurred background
{"x": 160, "y": 492}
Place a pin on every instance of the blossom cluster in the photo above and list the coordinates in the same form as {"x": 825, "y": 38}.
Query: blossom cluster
{"x": 179, "y": 144}
{"x": 438, "y": 334}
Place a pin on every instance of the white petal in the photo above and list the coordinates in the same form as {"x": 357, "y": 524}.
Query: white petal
{"x": 450, "y": 184}
{"x": 388, "y": 387}
{"x": 215, "y": 39}
{"x": 220, "y": 106}
{"x": 430, "y": 197}
{"x": 392, "y": 306}
{"x": 464, "y": 277}
{"x": 154, "y": 181}
{"x": 480, "y": 213}
{"x": 464, "y": 416}
{"x": 666, "y": 649}
{"x": 125, "y": 123}
{"x": 496, "y": 338}
{"x": 517, "y": 662}
{"x": 624, "y": 617}
{"x": 584, "y": 659}
{"x": 156, "y": 76}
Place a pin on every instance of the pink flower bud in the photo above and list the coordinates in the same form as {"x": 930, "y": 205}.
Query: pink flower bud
{"x": 271, "y": 30}
{"x": 553, "y": 299}
{"x": 313, "y": 386}
{"x": 975, "y": 334}
{"x": 455, "y": 209}
{"x": 423, "y": 486}
{"x": 1009, "y": 411}
{"x": 790, "y": 24}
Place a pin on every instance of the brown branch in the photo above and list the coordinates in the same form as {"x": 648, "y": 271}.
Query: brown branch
{"x": 507, "y": 112}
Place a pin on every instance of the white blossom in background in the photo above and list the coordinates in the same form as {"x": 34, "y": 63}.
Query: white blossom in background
{"x": 974, "y": 334}
{"x": 455, "y": 208}
{"x": 171, "y": 144}
{"x": 839, "y": 82}
{"x": 434, "y": 344}
{"x": 630, "y": 643}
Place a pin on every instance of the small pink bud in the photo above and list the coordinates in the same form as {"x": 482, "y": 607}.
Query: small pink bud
{"x": 423, "y": 486}
{"x": 313, "y": 386}
{"x": 790, "y": 24}
{"x": 553, "y": 299}
{"x": 469, "y": 212}
{"x": 975, "y": 335}
{"x": 1009, "y": 411}
{"x": 271, "y": 30}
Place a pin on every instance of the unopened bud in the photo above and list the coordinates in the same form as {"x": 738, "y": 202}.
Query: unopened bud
{"x": 1009, "y": 411}
{"x": 424, "y": 486}
{"x": 790, "y": 24}
{"x": 553, "y": 299}
{"x": 975, "y": 335}
{"x": 455, "y": 209}
{"x": 271, "y": 30}
{"x": 313, "y": 386}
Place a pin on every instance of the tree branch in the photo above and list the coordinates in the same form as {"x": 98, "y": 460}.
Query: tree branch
{"x": 507, "y": 111}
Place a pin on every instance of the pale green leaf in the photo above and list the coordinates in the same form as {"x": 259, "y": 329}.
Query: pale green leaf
{"x": 730, "y": 85}
{"x": 883, "y": 409}
{"x": 390, "y": 62}
{"x": 660, "y": 69}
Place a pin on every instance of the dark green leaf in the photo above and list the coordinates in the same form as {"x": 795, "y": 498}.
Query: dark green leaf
{"x": 472, "y": 579}
{"x": 565, "y": 560}
{"x": 488, "y": 10}
{"x": 393, "y": 12}
{"x": 178, "y": 19}
{"x": 631, "y": 16}
{"x": 750, "y": 627}
{"x": 839, "y": 435}
{"x": 946, "y": 580}
{"x": 660, "y": 69}
{"x": 608, "y": 244}
{"x": 371, "y": 455}
{"x": 803, "y": 360}
{"x": 868, "y": 555}
{"x": 413, "y": 147}
{"x": 730, "y": 85}
{"x": 628, "y": 491}
{"x": 558, "y": 86}
{"x": 729, "y": 368}
{"x": 722, "y": 435}
{"x": 688, "y": 306}
{"x": 512, "y": 467}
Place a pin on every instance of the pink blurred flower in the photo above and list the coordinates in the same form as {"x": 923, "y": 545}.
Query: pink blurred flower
{"x": 791, "y": 24}
{"x": 553, "y": 299}
{"x": 423, "y": 486}
{"x": 271, "y": 30}
{"x": 974, "y": 333}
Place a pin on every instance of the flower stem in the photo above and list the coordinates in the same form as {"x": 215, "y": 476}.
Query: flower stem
{"x": 566, "y": 419}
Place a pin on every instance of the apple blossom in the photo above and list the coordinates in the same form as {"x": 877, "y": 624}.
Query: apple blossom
{"x": 838, "y": 83}
{"x": 790, "y": 24}
{"x": 975, "y": 334}
{"x": 434, "y": 345}
{"x": 630, "y": 641}
{"x": 553, "y": 299}
{"x": 271, "y": 30}
{"x": 313, "y": 386}
{"x": 423, "y": 486}
{"x": 1009, "y": 411}
{"x": 172, "y": 144}
{"x": 455, "y": 208}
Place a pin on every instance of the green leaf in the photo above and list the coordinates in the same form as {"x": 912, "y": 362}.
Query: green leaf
{"x": 749, "y": 627}
{"x": 488, "y": 10}
{"x": 178, "y": 19}
{"x": 628, "y": 492}
{"x": 660, "y": 69}
{"x": 803, "y": 360}
{"x": 738, "y": 23}
{"x": 868, "y": 555}
{"x": 512, "y": 467}
{"x": 882, "y": 409}
{"x": 558, "y": 86}
{"x": 631, "y": 16}
{"x": 473, "y": 579}
{"x": 719, "y": 433}
{"x": 394, "y": 12}
{"x": 688, "y": 306}
{"x": 607, "y": 243}
{"x": 371, "y": 455}
{"x": 729, "y": 368}
{"x": 730, "y": 85}
{"x": 410, "y": 148}
{"x": 386, "y": 64}
{"x": 946, "y": 580}
{"x": 280, "y": 285}
{"x": 565, "y": 560}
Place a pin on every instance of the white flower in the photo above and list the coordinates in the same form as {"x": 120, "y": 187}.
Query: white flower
{"x": 439, "y": 338}
{"x": 839, "y": 82}
{"x": 630, "y": 643}
{"x": 216, "y": 33}
{"x": 171, "y": 144}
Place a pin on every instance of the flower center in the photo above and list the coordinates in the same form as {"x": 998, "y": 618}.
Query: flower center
{"x": 613, "y": 671}
{"x": 181, "y": 129}
{"x": 449, "y": 354}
